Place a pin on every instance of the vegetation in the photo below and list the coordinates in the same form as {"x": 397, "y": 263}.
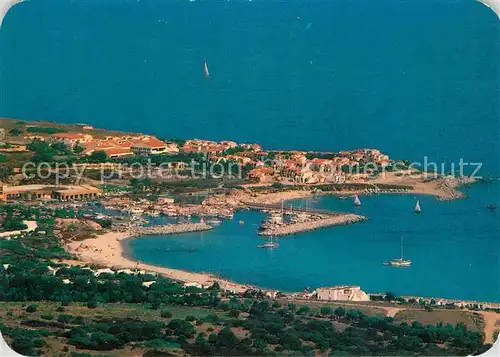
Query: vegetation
{"x": 13, "y": 224}
{"x": 43, "y": 130}
{"x": 98, "y": 156}
{"x": 46, "y": 152}
{"x": 15, "y": 132}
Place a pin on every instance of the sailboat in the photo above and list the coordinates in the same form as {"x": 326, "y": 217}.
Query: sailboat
{"x": 357, "y": 201}
{"x": 269, "y": 244}
{"x": 417, "y": 207}
{"x": 205, "y": 69}
{"x": 400, "y": 262}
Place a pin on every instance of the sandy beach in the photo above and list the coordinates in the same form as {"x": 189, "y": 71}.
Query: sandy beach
{"x": 109, "y": 250}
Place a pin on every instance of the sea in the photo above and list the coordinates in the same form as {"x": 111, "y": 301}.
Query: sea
{"x": 417, "y": 79}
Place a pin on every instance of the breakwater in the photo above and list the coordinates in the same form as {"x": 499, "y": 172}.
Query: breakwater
{"x": 170, "y": 229}
{"x": 326, "y": 221}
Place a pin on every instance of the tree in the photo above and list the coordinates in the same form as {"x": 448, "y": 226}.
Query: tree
{"x": 234, "y": 313}
{"x": 166, "y": 314}
{"x": 181, "y": 328}
{"x": 60, "y": 147}
{"x": 5, "y": 172}
{"x": 303, "y": 310}
{"x": 98, "y": 156}
{"x": 39, "y": 146}
{"x": 31, "y": 308}
{"x": 77, "y": 149}
{"x": 15, "y": 132}
{"x": 13, "y": 224}
{"x": 390, "y": 296}
{"x": 325, "y": 310}
{"x": 226, "y": 338}
{"x": 339, "y": 312}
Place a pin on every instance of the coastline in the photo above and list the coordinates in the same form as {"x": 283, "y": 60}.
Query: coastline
{"x": 111, "y": 250}
{"x": 120, "y": 258}
{"x": 443, "y": 188}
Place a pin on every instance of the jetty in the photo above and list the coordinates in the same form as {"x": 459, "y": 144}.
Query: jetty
{"x": 170, "y": 229}
{"x": 284, "y": 209}
{"x": 310, "y": 225}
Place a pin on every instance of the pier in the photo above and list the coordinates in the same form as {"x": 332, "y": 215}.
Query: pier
{"x": 324, "y": 221}
{"x": 170, "y": 229}
{"x": 279, "y": 207}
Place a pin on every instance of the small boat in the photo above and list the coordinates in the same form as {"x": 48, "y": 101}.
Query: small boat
{"x": 136, "y": 210}
{"x": 417, "y": 207}
{"x": 269, "y": 244}
{"x": 357, "y": 201}
{"x": 214, "y": 221}
{"x": 205, "y": 69}
{"x": 241, "y": 222}
{"x": 400, "y": 262}
{"x": 491, "y": 207}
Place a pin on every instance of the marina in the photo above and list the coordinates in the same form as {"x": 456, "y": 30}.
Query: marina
{"x": 359, "y": 249}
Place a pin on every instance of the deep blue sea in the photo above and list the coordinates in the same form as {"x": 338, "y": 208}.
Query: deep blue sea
{"x": 413, "y": 78}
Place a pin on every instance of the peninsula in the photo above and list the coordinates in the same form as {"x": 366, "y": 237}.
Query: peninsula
{"x": 74, "y": 196}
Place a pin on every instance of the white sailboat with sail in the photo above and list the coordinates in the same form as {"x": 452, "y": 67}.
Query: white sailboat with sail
{"x": 400, "y": 262}
{"x": 205, "y": 69}
{"x": 417, "y": 207}
{"x": 357, "y": 201}
{"x": 270, "y": 244}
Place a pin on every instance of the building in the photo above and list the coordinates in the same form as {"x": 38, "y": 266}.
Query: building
{"x": 341, "y": 293}
{"x": 85, "y": 126}
{"x": 261, "y": 174}
{"x": 44, "y": 192}
{"x": 152, "y": 145}
{"x": 71, "y": 139}
{"x": 165, "y": 200}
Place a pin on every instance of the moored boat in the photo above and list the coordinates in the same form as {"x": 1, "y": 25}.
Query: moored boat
{"x": 400, "y": 262}
{"x": 269, "y": 244}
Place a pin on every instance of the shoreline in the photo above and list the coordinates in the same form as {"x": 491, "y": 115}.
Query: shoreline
{"x": 112, "y": 250}
{"x": 120, "y": 242}
{"x": 443, "y": 188}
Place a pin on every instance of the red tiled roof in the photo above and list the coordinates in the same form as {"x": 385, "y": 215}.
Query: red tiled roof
{"x": 71, "y": 136}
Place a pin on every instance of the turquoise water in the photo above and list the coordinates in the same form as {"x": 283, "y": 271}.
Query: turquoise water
{"x": 454, "y": 247}
{"x": 412, "y": 78}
